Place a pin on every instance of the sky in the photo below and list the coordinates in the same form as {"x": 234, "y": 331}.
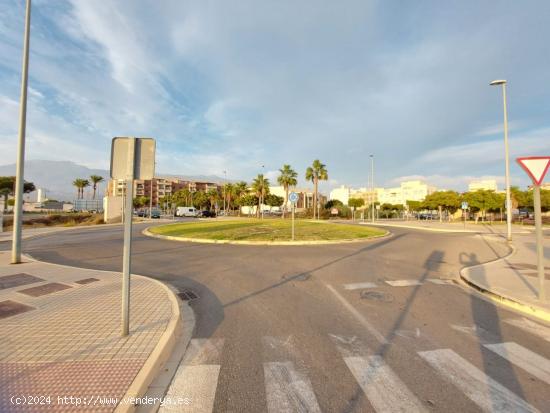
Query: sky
{"x": 251, "y": 85}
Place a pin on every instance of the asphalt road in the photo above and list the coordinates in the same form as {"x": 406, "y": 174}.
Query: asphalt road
{"x": 283, "y": 328}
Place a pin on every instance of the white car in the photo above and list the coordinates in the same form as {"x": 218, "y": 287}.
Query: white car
{"x": 187, "y": 212}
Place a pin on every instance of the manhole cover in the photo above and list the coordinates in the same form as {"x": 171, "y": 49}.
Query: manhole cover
{"x": 44, "y": 289}
{"x": 187, "y": 295}
{"x": 377, "y": 296}
{"x": 15, "y": 280}
{"x": 86, "y": 281}
{"x": 10, "y": 308}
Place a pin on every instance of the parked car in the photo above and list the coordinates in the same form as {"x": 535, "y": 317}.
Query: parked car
{"x": 155, "y": 213}
{"x": 207, "y": 214}
{"x": 141, "y": 213}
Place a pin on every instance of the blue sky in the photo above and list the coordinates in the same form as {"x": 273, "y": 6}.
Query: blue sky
{"x": 236, "y": 85}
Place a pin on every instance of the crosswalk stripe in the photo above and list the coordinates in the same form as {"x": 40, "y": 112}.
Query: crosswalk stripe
{"x": 439, "y": 281}
{"x": 197, "y": 384}
{"x": 357, "y": 286}
{"x": 403, "y": 283}
{"x": 484, "y": 391}
{"x": 385, "y": 391}
{"x": 529, "y": 361}
{"x": 288, "y": 390}
{"x": 196, "y": 378}
{"x": 531, "y": 327}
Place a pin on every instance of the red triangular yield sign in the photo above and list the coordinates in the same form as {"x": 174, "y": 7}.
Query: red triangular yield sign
{"x": 535, "y": 166}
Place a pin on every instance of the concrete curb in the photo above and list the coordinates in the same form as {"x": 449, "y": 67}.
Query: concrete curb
{"x": 507, "y": 301}
{"x": 267, "y": 243}
{"x": 159, "y": 355}
{"x": 464, "y": 231}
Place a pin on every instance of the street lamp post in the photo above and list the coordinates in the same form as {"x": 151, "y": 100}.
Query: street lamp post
{"x": 372, "y": 184}
{"x": 261, "y": 195}
{"x": 18, "y": 206}
{"x": 506, "y": 161}
{"x": 224, "y": 183}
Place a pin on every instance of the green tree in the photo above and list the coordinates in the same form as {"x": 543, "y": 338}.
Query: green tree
{"x": 96, "y": 179}
{"x": 7, "y": 186}
{"x": 274, "y": 200}
{"x": 484, "y": 200}
{"x": 415, "y": 206}
{"x": 356, "y": 202}
{"x": 315, "y": 173}
{"x": 260, "y": 187}
{"x": 248, "y": 200}
{"x": 182, "y": 197}
{"x": 446, "y": 200}
{"x": 333, "y": 203}
{"x": 140, "y": 201}
{"x": 287, "y": 178}
{"x": 200, "y": 200}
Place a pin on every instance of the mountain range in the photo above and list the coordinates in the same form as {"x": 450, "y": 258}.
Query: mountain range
{"x": 56, "y": 177}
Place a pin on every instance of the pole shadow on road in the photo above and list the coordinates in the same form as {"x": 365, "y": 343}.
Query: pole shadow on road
{"x": 485, "y": 313}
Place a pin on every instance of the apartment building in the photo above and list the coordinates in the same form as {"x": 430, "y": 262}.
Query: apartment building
{"x": 486, "y": 184}
{"x": 158, "y": 187}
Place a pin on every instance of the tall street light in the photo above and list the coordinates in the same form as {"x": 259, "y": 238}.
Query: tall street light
{"x": 372, "y": 184}
{"x": 18, "y": 206}
{"x": 507, "y": 162}
{"x": 224, "y": 184}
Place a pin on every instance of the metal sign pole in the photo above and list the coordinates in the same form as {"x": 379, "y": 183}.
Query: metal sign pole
{"x": 538, "y": 231}
{"x": 127, "y": 251}
{"x": 293, "y": 207}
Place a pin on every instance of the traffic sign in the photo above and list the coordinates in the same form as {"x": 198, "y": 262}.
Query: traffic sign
{"x": 535, "y": 166}
{"x": 464, "y": 205}
{"x": 334, "y": 211}
{"x": 293, "y": 197}
{"x": 133, "y": 157}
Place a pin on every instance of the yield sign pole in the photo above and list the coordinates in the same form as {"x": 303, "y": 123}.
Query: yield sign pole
{"x": 536, "y": 167}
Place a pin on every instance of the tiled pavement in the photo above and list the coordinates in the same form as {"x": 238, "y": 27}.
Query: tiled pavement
{"x": 69, "y": 343}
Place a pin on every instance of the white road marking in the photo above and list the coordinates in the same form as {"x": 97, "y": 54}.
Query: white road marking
{"x": 357, "y": 286}
{"x": 362, "y": 320}
{"x": 196, "y": 378}
{"x": 288, "y": 390}
{"x": 488, "y": 394}
{"x": 197, "y": 384}
{"x": 524, "y": 358}
{"x": 439, "y": 281}
{"x": 203, "y": 351}
{"x": 531, "y": 327}
{"x": 350, "y": 346}
{"x": 385, "y": 391}
{"x": 403, "y": 283}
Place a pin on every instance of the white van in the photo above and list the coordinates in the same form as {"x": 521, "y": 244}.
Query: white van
{"x": 187, "y": 212}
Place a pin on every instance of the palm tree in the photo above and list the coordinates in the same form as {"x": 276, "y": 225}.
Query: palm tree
{"x": 95, "y": 180}
{"x": 260, "y": 186}
{"x": 315, "y": 173}
{"x": 79, "y": 184}
{"x": 213, "y": 196}
{"x": 229, "y": 191}
{"x": 287, "y": 178}
{"x": 85, "y": 184}
{"x": 240, "y": 189}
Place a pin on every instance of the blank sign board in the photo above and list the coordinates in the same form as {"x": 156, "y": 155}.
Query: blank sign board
{"x": 142, "y": 150}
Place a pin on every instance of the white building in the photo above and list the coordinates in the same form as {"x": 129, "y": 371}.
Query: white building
{"x": 341, "y": 194}
{"x": 486, "y": 184}
{"x": 407, "y": 191}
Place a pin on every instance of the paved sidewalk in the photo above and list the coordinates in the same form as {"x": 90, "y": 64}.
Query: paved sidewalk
{"x": 470, "y": 227}
{"x": 514, "y": 279}
{"x": 60, "y": 337}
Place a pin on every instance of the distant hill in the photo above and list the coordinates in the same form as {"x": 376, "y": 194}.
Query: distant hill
{"x": 56, "y": 177}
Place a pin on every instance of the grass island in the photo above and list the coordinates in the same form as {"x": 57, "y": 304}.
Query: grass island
{"x": 274, "y": 230}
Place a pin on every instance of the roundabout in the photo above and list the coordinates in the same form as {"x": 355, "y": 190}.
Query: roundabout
{"x": 264, "y": 232}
